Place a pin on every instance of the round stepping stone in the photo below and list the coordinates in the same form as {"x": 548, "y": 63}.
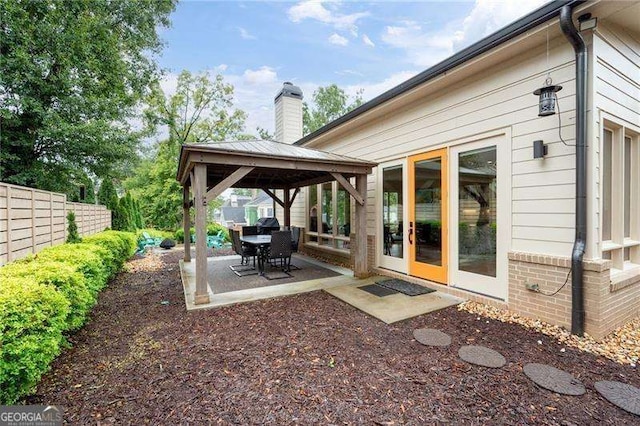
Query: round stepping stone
{"x": 480, "y": 355}
{"x": 554, "y": 379}
{"x": 431, "y": 337}
{"x": 621, "y": 395}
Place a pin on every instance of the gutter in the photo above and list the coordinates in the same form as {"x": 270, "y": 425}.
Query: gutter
{"x": 522, "y": 25}
{"x": 577, "y": 281}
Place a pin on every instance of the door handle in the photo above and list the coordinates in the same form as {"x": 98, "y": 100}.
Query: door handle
{"x": 410, "y": 233}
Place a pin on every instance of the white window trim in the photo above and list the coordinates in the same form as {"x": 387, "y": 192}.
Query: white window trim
{"x": 335, "y": 238}
{"x": 619, "y": 242}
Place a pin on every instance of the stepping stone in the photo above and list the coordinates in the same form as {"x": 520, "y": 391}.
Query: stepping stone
{"x": 480, "y": 355}
{"x": 621, "y": 395}
{"x": 553, "y": 379}
{"x": 431, "y": 337}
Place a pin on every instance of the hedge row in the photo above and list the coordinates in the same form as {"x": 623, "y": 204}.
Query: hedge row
{"x": 45, "y": 296}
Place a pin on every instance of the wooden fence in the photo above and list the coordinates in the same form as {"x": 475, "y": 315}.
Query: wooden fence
{"x": 31, "y": 219}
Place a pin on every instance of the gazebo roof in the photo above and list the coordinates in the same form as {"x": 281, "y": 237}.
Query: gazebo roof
{"x": 275, "y": 165}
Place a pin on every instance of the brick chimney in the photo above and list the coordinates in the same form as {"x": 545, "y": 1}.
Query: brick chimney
{"x": 288, "y": 113}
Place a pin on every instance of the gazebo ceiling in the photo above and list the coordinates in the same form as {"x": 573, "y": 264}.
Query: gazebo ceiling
{"x": 275, "y": 165}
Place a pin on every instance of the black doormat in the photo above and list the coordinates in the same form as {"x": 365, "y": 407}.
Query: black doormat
{"x": 378, "y": 290}
{"x": 410, "y": 289}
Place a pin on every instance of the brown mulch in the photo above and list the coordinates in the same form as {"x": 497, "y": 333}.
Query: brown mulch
{"x": 305, "y": 359}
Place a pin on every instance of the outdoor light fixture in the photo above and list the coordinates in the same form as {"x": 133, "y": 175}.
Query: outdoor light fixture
{"x": 547, "y": 102}
{"x": 539, "y": 149}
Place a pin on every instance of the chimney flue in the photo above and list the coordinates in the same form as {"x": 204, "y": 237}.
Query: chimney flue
{"x": 288, "y": 108}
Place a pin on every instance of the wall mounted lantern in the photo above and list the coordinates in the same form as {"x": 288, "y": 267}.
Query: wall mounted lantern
{"x": 547, "y": 102}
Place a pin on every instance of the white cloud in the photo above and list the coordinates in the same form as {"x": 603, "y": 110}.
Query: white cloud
{"x": 349, "y": 72}
{"x": 245, "y": 34}
{"x": 366, "y": 40}
{"x": 338, "y": 40}
{"x": 425, "y": 48}
{"x": 263, "y": 75}
{"x": 313, "y": 9}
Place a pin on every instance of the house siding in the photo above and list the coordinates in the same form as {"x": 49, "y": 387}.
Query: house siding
{"x": 497, "y": 98}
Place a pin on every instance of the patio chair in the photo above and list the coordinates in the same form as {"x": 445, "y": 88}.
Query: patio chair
{"x": 245, "y": 253}
{"x": 280, "y": 249}
{"x": 147, "y": 240}
{"x": 295, "y": 242}
{"x": 216, "y": 241}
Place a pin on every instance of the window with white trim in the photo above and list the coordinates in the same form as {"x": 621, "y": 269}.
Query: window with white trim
{"x": 620, "y": 196}
{"x": 329, "y": 216}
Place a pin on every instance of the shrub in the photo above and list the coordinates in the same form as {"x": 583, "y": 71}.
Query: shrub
{"x": 214, "y": 228}
{"x": 32, "y": 318}
{"x": 66, "y": 278}
{"x": 121, "y": 244}
{"x": 179, "y": 234}
{"x": 72, "y": 229}
{"x": 86, "y": 258}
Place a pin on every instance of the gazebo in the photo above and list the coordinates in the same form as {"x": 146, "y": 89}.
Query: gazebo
{"x": 206, "y": 170}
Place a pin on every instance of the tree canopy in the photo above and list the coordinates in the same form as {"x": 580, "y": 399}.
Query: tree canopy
{"x": 329, "y": 103}
{"x": 71, "y": 75}
{"x": 200, "y": 110}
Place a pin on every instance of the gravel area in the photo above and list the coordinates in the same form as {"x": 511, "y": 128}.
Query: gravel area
{"x": 304, "y": 359}
{"x": 623, "y": 345}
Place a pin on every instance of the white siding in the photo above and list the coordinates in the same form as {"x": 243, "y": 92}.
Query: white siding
{"x": 616, "y": 91}
{"x": 499, "y": 97}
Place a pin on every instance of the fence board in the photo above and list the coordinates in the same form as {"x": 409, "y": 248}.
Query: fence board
{"x": 32, "y": 219}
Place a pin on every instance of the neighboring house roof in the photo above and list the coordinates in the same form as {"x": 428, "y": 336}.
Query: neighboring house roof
{"x": 236, "y": 214}
{"x": 532, "y": 20}
{"x": 261, "y": 199}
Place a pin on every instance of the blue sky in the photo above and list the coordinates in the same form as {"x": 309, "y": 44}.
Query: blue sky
{"x": 369, "y": 46}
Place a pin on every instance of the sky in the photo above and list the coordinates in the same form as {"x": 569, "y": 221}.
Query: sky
{"x": 369, "y": 46}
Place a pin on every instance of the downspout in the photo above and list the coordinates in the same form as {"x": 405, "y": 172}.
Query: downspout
{"x": 577, "y": 282}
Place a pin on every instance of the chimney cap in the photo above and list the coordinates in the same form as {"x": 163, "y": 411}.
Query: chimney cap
{"x": 289, "y": 90}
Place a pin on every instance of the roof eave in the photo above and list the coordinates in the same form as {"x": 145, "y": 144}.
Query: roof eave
{"x": 532, "y": 20}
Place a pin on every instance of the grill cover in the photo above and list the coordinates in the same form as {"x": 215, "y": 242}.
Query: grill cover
{"x": 267, "y": 224}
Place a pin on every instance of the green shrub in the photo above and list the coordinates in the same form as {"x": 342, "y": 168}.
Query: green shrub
{"x": 66, "y": 278}
{"x": 32, "y": 318}
{"x": 179, "y": 234}
{"x": 121, "y": 244}
{"x": 214, "y": 228}
{"x": 86, "y": 258}
{"x": 72, "y": 229}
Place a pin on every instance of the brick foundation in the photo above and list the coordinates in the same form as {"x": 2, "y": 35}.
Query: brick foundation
{"x": 607, "y": 305}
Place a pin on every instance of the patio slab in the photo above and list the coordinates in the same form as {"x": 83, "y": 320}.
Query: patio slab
{"x": 395, "y": 307}
{"x": 243, "y": 289}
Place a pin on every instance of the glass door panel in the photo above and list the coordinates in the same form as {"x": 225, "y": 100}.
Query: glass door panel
{"x": 477, "y": 207}
{"x": 393, "y": 234}
{"x": 428, "y": 239}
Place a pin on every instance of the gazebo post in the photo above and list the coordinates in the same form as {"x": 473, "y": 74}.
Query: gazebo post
{"x": 361, "y": 269}
{"x": 287, "y": 208}
{"x": 186, "y": 222}
{"x": 200, "y": 204}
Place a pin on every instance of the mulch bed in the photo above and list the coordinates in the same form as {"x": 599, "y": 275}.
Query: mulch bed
{"x": 304, "y": 359}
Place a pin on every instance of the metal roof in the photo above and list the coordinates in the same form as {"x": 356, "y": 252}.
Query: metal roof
{"x": 522, "y": 25}
{"x": 276, "y": 165}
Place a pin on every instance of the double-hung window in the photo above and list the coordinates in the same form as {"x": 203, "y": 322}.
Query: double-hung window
{"x": 620, "y": 196}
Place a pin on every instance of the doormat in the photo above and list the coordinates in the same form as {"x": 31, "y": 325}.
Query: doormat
{"x": 410, "y": 289}
{"x": 377, "y": 290}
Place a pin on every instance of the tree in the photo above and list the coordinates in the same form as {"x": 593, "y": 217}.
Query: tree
{"x": 107, "y": 195}
{"x": 264, "y": 134}
{"x": 72, "y": 74}
{"x": 329, "y": 103}
{"x": 201, "y": 110}
{"x": 72, "y": 229}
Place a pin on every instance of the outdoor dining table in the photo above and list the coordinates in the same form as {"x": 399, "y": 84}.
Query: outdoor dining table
{"x": 261, "y": 243}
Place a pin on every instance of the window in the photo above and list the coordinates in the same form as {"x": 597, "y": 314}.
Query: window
{"x": 329, "y": 217}
{"x": 620, "y": 196}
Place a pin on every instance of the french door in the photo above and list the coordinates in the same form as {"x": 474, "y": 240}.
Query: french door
{"x": 427, "y": 229}
{"x": 480, "y": 209}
